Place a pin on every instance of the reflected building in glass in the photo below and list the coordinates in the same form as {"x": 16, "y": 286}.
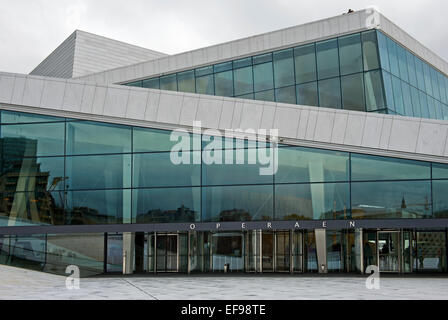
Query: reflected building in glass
{"x": 87, "y": 175}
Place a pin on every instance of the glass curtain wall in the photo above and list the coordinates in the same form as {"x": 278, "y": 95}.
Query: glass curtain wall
{"x": 338, "y": 73}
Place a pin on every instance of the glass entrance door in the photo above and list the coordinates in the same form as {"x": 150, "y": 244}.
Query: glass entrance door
{"x": 167, "y": 253}
{"x": 282, "y": 252}
{"x": 389, "y": 251}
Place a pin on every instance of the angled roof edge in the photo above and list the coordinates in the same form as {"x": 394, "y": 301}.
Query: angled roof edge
{"x": 83, "y": 53}
{"x": 361, "y": 20}
{"x": 353, "y": 131}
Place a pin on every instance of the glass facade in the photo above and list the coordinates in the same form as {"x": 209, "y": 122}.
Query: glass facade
{"x": 416, "y": 88}
{"x": 365, "y": 71}
{"x": 87, "y": 172}
{"x": 338, "y": 73}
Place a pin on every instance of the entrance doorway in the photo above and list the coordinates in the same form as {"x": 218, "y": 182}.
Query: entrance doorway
{"x": 276, "y": 251}
{"x": 167, "y": 253}
{"x": 389, "y": 251}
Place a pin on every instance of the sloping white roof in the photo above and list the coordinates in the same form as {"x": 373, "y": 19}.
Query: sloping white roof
{"x": 371, "y": 133}
{"x": 83, "y": 53}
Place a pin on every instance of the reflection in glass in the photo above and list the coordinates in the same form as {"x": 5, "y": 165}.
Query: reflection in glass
{"x": 31, "y": 174}
{"x": 316, "y": 201}
{"x": 263, "y": 77}
{"x": 353, "y": 92}
{"x": 186, "y": 81}
{"x": 166, "y": 205}
{"x": 243, "y": 81}
{"x": 157, "y": 170}
{"x": 305, "y": 63}
{"x": 327, "y": 59}
{"x": 350, "y": 54}
{"x": 85, "y": 137}
{"x": 298, "y": 164}
{"x": 366, "y": 167}
{"x": 237, "y": 203}
{"x": 98, "y": 172}
{"x": 330, "y": 93}
{"x": 224, "y": 84}
{"x": 283, "y": 68}
{"x": 98, "y": 207}
{"x": 391, "y": 200}
{"x": 33, "y": 140}
{"x": 375, "y": 97}
{"x": 31, "y": 208}
{"x": 307, "y": 94}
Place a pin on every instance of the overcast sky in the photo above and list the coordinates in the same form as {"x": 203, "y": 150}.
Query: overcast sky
{"x": 31, "y": 29}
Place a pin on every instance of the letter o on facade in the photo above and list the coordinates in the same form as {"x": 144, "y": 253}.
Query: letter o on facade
{"x": 192, "y": 226}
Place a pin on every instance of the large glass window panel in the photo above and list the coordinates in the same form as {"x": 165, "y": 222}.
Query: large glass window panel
{"x": 238, "y": 167}
{"x": 21, "y": 117}
{"x": 330, "y": 93}
{"x": 286, "y": 95}
{"x": 415, "y": 102}
{"x": 98, "y": 172}
{"x": 316, "y": 201}
{"x": 432, "y": 108}
{"x": 186, "y": 81}
{"x": 225, "y": 66}
{"x": 205, "y": 85}
{"x": 439, "y": 112}
{"x": 31, "y": 174}
{"x": 241, "y": 63}
{"x": 439, "y": 171}
{"x": 384, "y": 53}
{"x": 411, "y": 69}
{"x": 85, "y": 137}
{"x": 149, "y": 140}
{"x": 224, "y": 84}
{"x": 398, "y": 96}
{"x": 262, "y": 58}
{"x": 370, "y": 50}
{"x": 31, "y": 208}
{"x": 424, "y": 105}
{"x": 392, "y": 47}
{"x": 305, "y": 63}
{"x": 441, "y": 80}
{"x": 27, "y": 251}
{"x": 327, "y": 59}
{"x": 166, "y": 205}
{"x": 353, "y": 92}
{"x": 420, "y": 75}
{"x": 267, "y": 95}
{"x": 263, "y": 77}
{"x": 283, "y": 68}
{"x": 151, "y": 83}
{"x": 31, "y": 140}
{"x": 298, "y": 164}
{"x": 407, "y": 101}
{"x": 199, "y": 72}
{"x": 98, "y": 207}
{"x": 402, "y": 63}
{"x": 350, "y": 54}
{"x": 243, "y": 81}
{"x": 440, "y": 200}
{"x": 391, "y": 200}
{"x": 307, "y": 94}
{"x": 427, "y": 75}
{"x": 388, "y": 89}
{"x": 366, "y": 167}
{"x": 375, "y": 98}
{"x": 157, "y": 170}
{"x": 435, "y": 84}
{"x": 237, "y": 203}
{"x": 168, "y": 82}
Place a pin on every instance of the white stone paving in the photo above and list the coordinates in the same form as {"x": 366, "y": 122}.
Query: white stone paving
{"x": 24, "y": 284}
